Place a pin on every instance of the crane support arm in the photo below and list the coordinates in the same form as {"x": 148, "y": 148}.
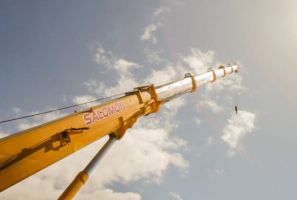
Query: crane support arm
{"x": 29, "y": 151}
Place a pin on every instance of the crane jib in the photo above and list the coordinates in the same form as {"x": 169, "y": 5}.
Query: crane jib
{"x": 29, "y": 151}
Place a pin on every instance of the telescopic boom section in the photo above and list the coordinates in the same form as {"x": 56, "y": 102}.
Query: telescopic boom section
{"x": 190, "y": 82}
{"x": 29, "y": 151}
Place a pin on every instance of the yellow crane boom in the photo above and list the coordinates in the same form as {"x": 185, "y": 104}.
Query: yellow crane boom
{"x": 29, "y": 151}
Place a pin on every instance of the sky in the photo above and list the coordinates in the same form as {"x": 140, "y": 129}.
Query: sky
{"x": 56, "y": 53}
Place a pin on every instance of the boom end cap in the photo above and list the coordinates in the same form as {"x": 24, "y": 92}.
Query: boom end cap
{"x": 235, "y": 68}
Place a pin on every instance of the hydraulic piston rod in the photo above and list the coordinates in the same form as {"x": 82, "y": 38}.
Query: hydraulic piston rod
{"x": 83, "y": 176}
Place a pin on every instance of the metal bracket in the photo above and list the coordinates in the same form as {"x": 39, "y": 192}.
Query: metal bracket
{"x": 194, "y": 83}
{"x": 214, "y": 74}
{"x": 65, "y": 135}
{"x": 223, "y": 67}
{"x": 147, "y": 107}
{"x": 236, "y": 70}
{"x": 155, "y": 105}
{"x": 124, "y": 125}
{"x": 232, "y": 70}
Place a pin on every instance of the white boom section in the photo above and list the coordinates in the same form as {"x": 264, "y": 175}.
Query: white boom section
{"x": 173, "y": 89}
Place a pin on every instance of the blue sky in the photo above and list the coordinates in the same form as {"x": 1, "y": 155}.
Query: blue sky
{"x": 56, "y": 53}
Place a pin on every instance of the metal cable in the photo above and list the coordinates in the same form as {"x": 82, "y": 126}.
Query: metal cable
{"x": 62, "y": 108}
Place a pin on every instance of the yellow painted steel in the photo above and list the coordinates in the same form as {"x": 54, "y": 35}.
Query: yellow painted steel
{"x": 29, "y": 151}
{"x": 74, "y": 187}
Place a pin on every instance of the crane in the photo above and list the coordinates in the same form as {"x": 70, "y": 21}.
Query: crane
{"x": 27, "y": 152}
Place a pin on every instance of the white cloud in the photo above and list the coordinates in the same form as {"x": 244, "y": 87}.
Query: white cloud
{"x": 213, "y": 174}
{"x": 221, "y": 93}
{"x": 110, "y": 195}
{"x": 149, "y": 30}
{"x": 175, "y": 196}
{"x": 162, "y": 75}
{"x": 219, "y": 172}
{"x": 17, "y": 110}
{"x": 237, "y": 127}
{"x": 95, "y": 87}
{"x": 148, "y": 33}
{"x": 153, "y": 56}
{"x": 2, "y": 134}
{"x": 109, "y": 60}
{"x": 104, "y": 57}
{"x": 230, "y": 83}
{"x": 212, "y": 105}
{"x": 121, "y": 66}
{"x": 124, "y": 66}
{"x": 137, "y": 151}
{"x": 37, "y": 120}
{"x": 197, "y": 60}
{"x": 161, "y": 10}
{"x": 210, "y": 140}
{"x": 83, "y": 99}
{"x": 197, "y": 121}
{"x": 125, "y": 84}
{"x": 170, "y": 109}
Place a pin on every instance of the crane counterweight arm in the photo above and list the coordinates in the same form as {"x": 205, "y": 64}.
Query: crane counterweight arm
{"x": 29, "y": 151}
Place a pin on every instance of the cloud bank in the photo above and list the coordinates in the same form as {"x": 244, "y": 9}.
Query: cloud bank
{"x": 147, "y": 150}
{"x": 237, "y": 127}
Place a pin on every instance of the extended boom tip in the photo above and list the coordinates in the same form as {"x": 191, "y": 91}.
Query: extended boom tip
{"x": 235, "y": 68}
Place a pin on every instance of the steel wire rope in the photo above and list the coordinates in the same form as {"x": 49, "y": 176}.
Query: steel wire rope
{"x": 62, "y": 108}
